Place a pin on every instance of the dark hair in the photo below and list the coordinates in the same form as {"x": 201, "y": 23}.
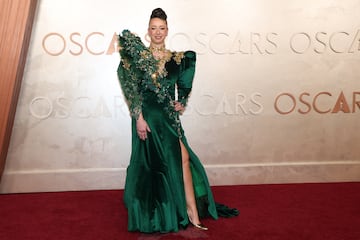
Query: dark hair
{"x": 158, "y": 13}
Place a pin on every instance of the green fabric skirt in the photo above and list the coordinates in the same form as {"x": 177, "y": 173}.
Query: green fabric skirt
{"x": 154, "y": 190}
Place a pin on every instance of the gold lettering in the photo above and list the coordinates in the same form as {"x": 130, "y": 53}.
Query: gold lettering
{"x": 114, "y": 45}
{"x": 304, "y": 102}
{"x": 315, "y": 99}
{"x": 76, "y": 43}
{"x": 87, "y": 40}
{"x": 293, "y": 101}
{"x": 45, "y": 47}
{"x": 355, "y": 103}
{"x": 341, "y": 104}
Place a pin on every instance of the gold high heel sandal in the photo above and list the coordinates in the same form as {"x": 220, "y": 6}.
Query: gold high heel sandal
{"x": 199, "y": 226}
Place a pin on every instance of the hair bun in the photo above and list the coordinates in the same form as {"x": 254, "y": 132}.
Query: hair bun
{"x": 158, "y": 13}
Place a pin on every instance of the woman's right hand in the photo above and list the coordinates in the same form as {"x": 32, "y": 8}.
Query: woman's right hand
{"x": 142, "y": 127}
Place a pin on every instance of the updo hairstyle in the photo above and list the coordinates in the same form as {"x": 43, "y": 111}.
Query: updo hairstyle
{"x": 158, "y": 13}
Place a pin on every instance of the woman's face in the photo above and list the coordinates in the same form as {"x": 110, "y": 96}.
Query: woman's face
{"x": 157, "y": 30}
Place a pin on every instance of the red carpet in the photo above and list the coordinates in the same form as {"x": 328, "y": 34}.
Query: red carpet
{"x": 267, "y": 212}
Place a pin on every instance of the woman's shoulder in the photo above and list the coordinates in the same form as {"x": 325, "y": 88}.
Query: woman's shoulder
{"x": 188, "y": 55}
{"x": 128, "y": 39}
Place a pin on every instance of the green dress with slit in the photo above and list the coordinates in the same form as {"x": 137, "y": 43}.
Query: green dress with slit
{"x": 154, "y": 190}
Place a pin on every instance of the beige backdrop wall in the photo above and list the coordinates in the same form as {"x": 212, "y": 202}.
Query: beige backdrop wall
{"x": 276, "y": 97}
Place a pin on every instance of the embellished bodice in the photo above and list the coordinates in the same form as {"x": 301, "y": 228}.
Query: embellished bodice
{"x": 139, "y": 72}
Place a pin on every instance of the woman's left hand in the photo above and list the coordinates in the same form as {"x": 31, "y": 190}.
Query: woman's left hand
{"x": 179, "y": 107}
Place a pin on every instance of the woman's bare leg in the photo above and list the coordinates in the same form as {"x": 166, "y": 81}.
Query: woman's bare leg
{"x": 189, "y": 188}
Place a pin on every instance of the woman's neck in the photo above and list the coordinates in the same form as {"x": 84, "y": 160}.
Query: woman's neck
{"x": 157, "y": 47}
{"x": 158, "y": 51}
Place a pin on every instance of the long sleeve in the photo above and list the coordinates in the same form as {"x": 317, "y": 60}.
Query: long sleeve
{"x": 135, "y": 71}
{"x": 130, "y": 85}
{"x": 187, "y": 72}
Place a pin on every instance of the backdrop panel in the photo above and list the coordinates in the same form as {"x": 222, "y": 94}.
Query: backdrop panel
{"x": 276, "y": 97}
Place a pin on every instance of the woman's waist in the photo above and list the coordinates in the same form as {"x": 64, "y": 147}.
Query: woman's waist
{"x": 158, "y": 96}
{"x": 155, "y": 102}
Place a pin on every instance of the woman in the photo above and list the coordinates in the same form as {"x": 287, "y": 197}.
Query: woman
{"x": 166, "y": 185}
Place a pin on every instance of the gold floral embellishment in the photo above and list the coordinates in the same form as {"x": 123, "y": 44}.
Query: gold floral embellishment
{"x": 145, "y": 54}
{"x": 126, "y": 64}
{"x": 178, "y": 56}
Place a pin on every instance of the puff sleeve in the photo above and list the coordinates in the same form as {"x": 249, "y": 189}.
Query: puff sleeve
{"x": 129, "y": 77}
{"x": 186, "y": 76}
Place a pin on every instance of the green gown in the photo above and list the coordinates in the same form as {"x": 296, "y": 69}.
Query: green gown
{"x": 154, "y": 190}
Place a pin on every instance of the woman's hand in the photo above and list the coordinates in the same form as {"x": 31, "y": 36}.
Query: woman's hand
{"x": 179, "y": 107}
{"x": 142, "y": 127}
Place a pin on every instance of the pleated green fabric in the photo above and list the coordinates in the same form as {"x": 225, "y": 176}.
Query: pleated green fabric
{"x": 154, "y": 190}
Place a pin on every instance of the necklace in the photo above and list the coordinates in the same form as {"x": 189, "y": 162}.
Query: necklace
{"x": 162, "y": 55}
{"x": 157, "y": 49}
{"x": 158, "y": 52}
